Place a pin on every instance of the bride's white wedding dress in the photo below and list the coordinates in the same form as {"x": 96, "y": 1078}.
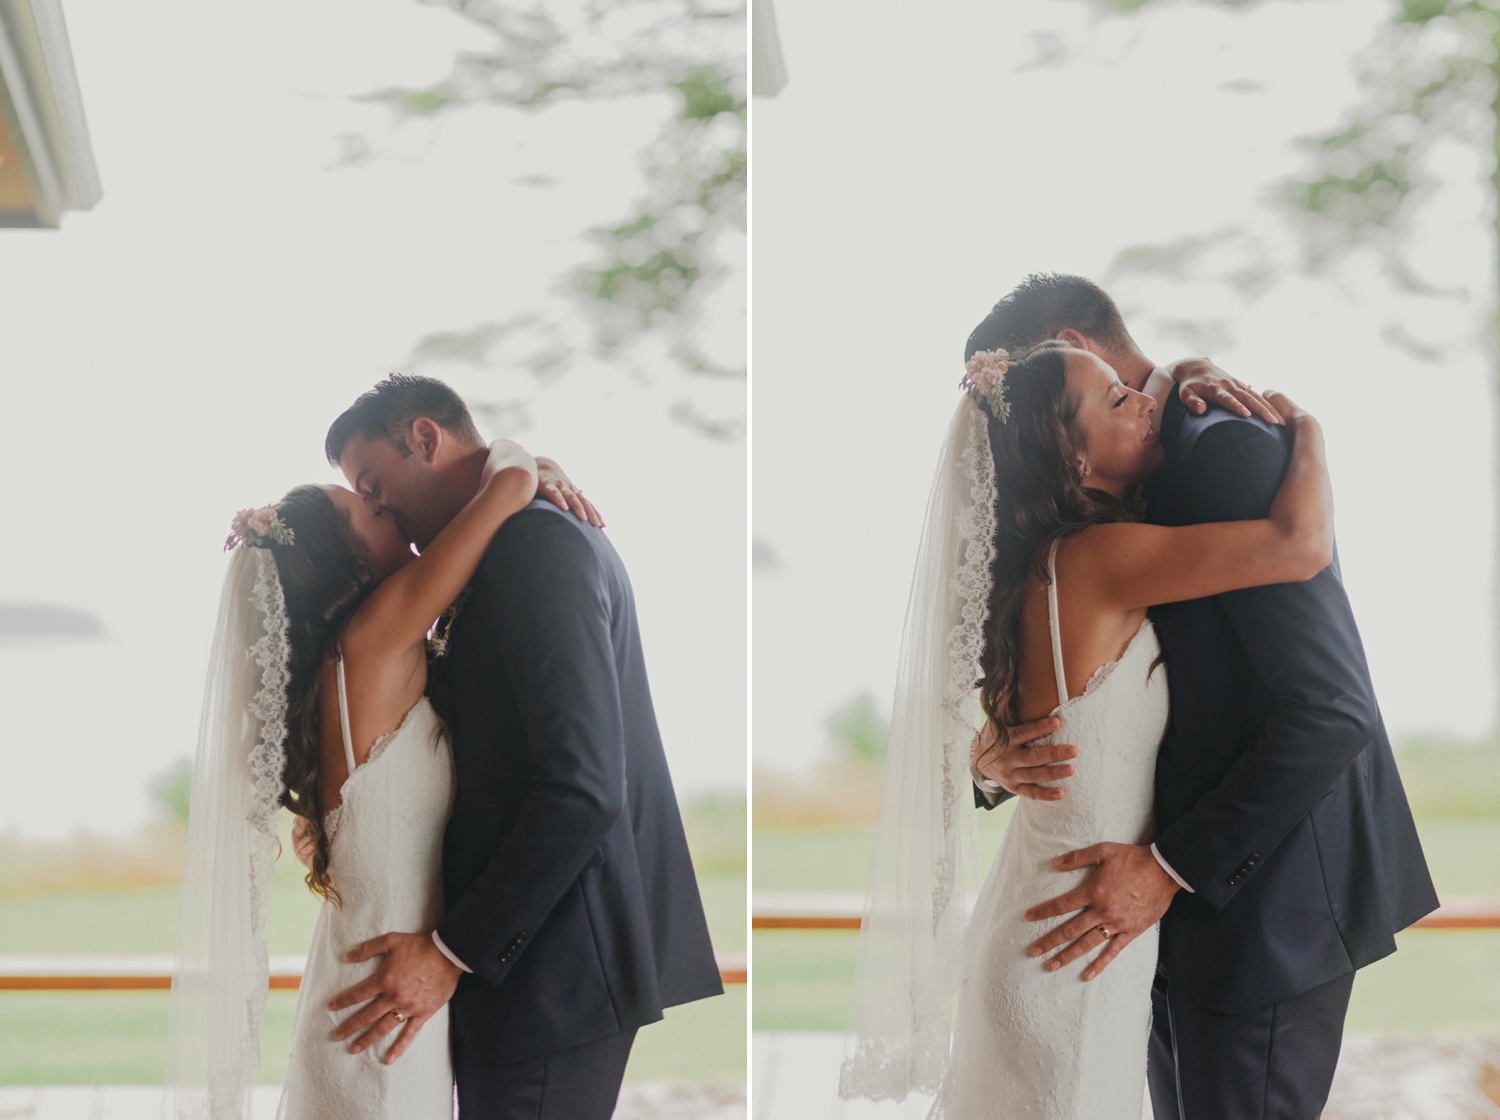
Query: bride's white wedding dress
{"x": 385, "y": 861}
{"x": 1050, "y": 1045}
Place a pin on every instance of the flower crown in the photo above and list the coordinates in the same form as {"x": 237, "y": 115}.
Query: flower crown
{"x": 257, "y": 528}
{"x": 984, "y": 380}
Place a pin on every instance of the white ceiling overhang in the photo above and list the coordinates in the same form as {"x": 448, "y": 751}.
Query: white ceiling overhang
{"x": 768, "y": 69}
{"x": 46, "y": 160}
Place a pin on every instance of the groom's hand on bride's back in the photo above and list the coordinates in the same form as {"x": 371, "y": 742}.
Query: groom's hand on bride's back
{"x": 1020, "y": 769}
{"x": 413, "y": 982}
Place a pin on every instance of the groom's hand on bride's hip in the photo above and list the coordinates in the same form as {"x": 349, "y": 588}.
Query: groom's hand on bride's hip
{"x": 1020, "y": 769}
{"x": 413, "y": 982}
{"x": 1127, "y": 895}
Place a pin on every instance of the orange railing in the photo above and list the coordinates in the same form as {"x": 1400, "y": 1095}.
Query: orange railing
{"x": 62, "y": 974}
{"x": 790, "y": 911}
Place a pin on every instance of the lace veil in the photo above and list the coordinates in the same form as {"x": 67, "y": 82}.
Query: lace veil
{"x": 222, "y": 971}
{"x": 926, "y": 863}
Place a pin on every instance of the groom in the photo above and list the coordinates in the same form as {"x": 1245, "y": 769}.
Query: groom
{"x": 573, "y": 915}
{"x": 1286, "y": 856}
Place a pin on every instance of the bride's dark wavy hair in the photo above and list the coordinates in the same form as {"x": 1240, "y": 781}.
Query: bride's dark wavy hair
{"x": 1039, "y": 499}
{"x": 326, "y": 573}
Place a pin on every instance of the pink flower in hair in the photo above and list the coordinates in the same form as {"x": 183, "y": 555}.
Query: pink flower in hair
{"x": 257, "y": 528}
{"x": 984, "y": 380}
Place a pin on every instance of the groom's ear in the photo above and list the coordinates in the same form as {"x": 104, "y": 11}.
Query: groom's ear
{"x": 425, "y": 440}
{"x": 1081, "y": 341}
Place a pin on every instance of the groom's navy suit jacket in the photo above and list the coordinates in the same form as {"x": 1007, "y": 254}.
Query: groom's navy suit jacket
{"x": 1277, "y": 796}
{"x": 569, "y": 887}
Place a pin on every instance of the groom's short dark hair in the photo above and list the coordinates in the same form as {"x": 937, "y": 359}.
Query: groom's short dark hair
{"x": 389, "y": 410}
{"x": 1043, "y": 304}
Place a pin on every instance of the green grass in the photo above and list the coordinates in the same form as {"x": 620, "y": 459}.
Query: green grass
{"x": 836, "y": 859}
{"x": 1438, "y": 982}
{"x": 1451, "y": 778}
{"x": 716, "y": 833}
{"x": 86, "y": 1038}
{"x": 137, "y": 921}
{"x": 802, "y": 979}
{"x": 120, "y": 1038}
{"x": 724, "y": 903}
{"x": 116, "y": 1038}
{"x": 703, "y": 1043}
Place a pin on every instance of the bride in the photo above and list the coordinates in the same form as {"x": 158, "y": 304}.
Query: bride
{"x": 1033, "y": 583}
{"x": 316, "y": 701}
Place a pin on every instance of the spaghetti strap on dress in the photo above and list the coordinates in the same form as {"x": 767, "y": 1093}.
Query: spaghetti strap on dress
{"x": 344, "y": 718}
{"x": 1054, "y": 627}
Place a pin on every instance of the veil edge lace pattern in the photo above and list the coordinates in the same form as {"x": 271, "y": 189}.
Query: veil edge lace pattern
{"x": 273, "y": 654}
{"x": 221, "y": 979}
{"x": 926, "y": 858}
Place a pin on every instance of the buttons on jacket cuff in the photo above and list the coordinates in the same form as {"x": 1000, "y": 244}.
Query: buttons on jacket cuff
{"x": 513, "y": 948}
{"x": 1243, "y": 869}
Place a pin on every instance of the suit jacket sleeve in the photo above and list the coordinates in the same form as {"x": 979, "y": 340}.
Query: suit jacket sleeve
{"x": 1303, "y": 642}
{"x": 982, "y": 801}
{"x": 550, "y": 606}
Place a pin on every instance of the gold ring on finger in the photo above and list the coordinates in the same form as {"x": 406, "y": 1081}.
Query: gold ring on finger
{"x": 1103, "y": 932}
{"x": 400, "y": 1018}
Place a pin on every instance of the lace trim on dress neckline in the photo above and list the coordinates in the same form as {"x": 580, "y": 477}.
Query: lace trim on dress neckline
{"x": 1105, "y": 671}
{"x": 332, "y": 818}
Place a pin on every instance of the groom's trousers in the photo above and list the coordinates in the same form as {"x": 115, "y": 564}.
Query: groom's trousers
{"x": 582, "y": 1083}
{"x": 1273, "y": 1063}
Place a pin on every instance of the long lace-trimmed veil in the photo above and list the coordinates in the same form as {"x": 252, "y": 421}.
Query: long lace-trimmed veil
{"x": 925, "y": 866}
{"x": 222, "y": 972}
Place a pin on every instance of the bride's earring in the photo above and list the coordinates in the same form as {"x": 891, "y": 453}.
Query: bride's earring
{"x": 1083, "y": 475}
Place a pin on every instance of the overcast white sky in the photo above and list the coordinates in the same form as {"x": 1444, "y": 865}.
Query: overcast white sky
{"x": 918, "y": 165}
{"x": 178, "y": 353}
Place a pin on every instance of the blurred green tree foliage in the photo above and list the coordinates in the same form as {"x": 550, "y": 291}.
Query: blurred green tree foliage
{"x": 654, "y": 267}
{"x": 858, "y": 730}
{"x": 1429, "y": 78}
{"x": 171, "y": 791}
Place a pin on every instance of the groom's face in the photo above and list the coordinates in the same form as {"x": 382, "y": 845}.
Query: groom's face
{"x": 405, "y": 485}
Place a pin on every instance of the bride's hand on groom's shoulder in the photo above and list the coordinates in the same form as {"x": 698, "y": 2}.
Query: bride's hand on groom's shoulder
{"x": 1020, "y": 769}
{"x": 1127, "y": 895}
{"x": 1201, "y": 383}
{"x": 553, "y": 483}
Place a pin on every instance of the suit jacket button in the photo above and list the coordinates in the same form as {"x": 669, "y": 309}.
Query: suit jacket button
{"x": 1234, "y": 880}
{"x": 1253, "y": 860}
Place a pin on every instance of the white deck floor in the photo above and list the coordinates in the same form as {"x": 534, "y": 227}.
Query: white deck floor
{"x": 143, "y": 1102}
{"x": 795, "y": 1077}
